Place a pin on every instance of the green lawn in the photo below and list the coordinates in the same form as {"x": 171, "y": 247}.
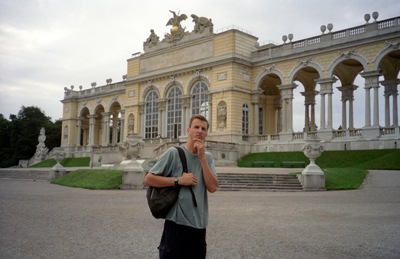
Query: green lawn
{"x": 92, "y": 179}
{"x": 343, "y": 170}
{"x": 66, "y": 162}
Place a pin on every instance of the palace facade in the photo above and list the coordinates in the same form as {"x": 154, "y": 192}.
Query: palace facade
{"x": 245, "y": 89}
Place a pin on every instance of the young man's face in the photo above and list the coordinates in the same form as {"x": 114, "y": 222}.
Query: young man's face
{"x": 198, "y": 130}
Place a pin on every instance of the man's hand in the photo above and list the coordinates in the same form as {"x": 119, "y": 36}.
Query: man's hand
{"x": 187, "y": 179}
{"x": 199, "y": 148}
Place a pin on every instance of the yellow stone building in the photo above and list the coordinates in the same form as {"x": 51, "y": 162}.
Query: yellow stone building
{"x": 246, "y": 90}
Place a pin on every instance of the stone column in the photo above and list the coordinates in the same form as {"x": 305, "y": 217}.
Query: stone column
{"x": 391, "y": 90}
{"x": 313, "y": 117}
{"x": 309, "y": 103}
{"x": 330, "y": 118}
{"x": 371, "y": 81}
{"x": 306, "y": 118}
{"x": 278, "y": 115}
{"x": 344, "y": 114}
{"x": 106, "y": 129}
{"x": 395, "y": 110}
{"x": 255, "y": 99}
{"x": 210, "y": 112}
{"x": 325, "y": 131}
{"x": 387, "y": 110}
{"x": 287, "y": 109}
{"x": 367, "y": 106}
{"x": 92, "y": 119}
{"x": 185, "y": 114}
{"x": 347, "y": 95}
{"x": 141, "y": 120}
{"x": 115, "y": 129}
{"x": 122, "y": 126}
{"x": 162, "y": 130}
{"x": 79, "y": 129}
{"x": 376, "y": 106}
{"x": 351, "y": 119}
{"x": 322, "y": 115}
{"x": 326, "y": 88}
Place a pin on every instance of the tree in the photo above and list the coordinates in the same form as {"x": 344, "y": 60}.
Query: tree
{"x": 19, "y": 137}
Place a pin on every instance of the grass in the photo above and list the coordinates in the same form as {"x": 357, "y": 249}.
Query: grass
{"x": 343, "y": 170}
{"x": 387, "y": 159}
{"x": 344, "y": 178}
{"x": 92, "y": 179}
{"x": 66, "y": 162}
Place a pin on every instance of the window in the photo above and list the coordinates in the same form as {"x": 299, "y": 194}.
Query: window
{"x": 174, "y": 112}
{"x": 199, "y": 102}
{"x": 245, "y": 119}
{"x": 151, "y": 115}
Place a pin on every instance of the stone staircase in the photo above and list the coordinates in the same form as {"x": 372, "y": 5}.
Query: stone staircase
{"x": 259, "y": 182}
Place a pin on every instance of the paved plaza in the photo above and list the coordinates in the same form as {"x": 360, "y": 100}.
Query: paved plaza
{"x": 43, "y": 220}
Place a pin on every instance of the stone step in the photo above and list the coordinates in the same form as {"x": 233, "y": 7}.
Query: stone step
{"x": 259, "y": 182}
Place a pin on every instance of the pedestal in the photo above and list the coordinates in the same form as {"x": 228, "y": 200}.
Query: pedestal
{"x": 57, "y": 171}
{"x": 312, "y": 177}
{"x": 133, "y": 176}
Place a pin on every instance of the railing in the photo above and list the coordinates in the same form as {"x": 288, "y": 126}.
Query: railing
{"x": 387, "y": 131}
{"x": 69, "y": 93}
{"x": 274, "y": 137}
{"x": 339, "y": 133}
{"x": 277, "y": 51}
{"x": 220, "y": 145}
{"x": 298, "y": 135}
{"x": 355, "y": 132}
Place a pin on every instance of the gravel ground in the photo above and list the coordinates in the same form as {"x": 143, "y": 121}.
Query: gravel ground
{"x": 42, "y": 220}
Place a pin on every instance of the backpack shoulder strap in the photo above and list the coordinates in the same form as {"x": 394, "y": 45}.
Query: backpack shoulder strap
{"x": 185, "y": 170}
{"x": 183, "y": 159}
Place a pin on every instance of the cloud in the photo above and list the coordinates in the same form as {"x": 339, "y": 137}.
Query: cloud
{"x": 46, "y": 45}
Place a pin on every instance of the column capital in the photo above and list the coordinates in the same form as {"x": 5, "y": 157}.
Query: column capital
{"x": 287, "y": 90}
{"x": 326, "y": 84}
{"x": 390, "y": 86}
{"x": 371, "y": 78}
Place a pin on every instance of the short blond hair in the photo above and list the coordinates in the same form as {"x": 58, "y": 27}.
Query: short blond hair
{"x": 200, "y": 117}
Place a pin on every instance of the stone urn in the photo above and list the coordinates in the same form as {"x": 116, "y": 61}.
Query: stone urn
{"x": 313, "y": 149}
{"x": 312, "y": 177}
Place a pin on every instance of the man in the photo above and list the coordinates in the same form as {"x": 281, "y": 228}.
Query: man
{"x": 184, "y": 234}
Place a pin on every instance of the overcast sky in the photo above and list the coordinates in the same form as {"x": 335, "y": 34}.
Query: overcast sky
{"x": 46, "y": 45}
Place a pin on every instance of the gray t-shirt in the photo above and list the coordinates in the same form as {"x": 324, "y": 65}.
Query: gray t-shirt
{"x": 184, "y": 212}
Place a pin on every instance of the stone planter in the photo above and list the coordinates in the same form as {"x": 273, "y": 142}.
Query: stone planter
{"x": 312, "y": 177}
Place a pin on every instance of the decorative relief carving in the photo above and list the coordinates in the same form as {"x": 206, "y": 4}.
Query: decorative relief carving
{"x": 132, "y": 93}
{"x": 246, "y": 77}
{"x": 347, "y": 53}
{"x": 394, "y": 45}
{"x": 305, "y": 62}
{"x": 222, "y": 76}
{"x": 221, "y": 113}
{"x": 269, "y": 68}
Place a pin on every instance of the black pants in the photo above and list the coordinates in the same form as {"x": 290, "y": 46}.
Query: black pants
{"x": 179, "y": 242}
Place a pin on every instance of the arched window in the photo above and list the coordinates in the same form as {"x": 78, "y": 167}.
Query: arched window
{"x": 151, "y": 115}
{"x": 174, "y": 112}
{"x": 245, "y": 119}
{"x": 199, "y": 102}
